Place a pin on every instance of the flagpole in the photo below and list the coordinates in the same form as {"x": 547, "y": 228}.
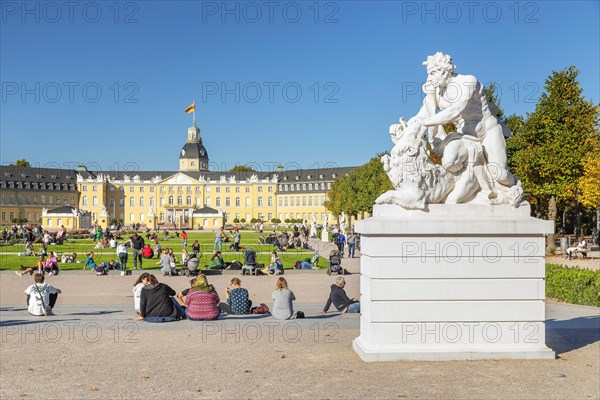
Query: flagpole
{"x": 194, "y": 113}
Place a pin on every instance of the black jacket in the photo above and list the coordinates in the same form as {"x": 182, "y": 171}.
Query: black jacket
{"x": 338, "y": 297}
{"x": 156, "y": 302}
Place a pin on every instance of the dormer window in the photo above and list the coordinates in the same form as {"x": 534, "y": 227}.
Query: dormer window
{"x": 334, "y": 176}
{"x": 309, "y": 177}
{"x": 321, "y": 176}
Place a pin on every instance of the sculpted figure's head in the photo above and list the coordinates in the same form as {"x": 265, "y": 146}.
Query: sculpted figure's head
{"x": 439, "y": 68}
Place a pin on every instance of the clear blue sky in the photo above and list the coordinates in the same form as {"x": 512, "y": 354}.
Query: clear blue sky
{"x": 364, "y": 58}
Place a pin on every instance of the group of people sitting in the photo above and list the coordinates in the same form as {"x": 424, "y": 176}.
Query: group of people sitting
{"x": 45, "y": 264}
{"x": 158, "y": 302}
{"x": 285, "y": 241}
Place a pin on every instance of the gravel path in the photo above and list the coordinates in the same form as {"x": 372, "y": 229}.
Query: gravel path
{"x": 93, "y": 349}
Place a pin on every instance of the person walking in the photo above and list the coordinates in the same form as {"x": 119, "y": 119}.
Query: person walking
{"x": 351, "y": 240}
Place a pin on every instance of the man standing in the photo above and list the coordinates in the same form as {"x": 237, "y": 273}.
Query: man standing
{"x": 137, "y": 245}
{"x": 218, "y": 240}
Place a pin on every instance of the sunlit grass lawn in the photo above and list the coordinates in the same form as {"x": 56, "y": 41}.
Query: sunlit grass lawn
{"x": 9, "y": 260}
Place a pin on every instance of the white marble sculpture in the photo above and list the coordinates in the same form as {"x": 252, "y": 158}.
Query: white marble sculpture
{"x": 343, "y": 222}
{"x": 474, "y": 163}
{"x": 313, "y": 226}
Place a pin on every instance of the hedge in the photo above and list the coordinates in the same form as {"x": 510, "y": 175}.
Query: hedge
{"x": 573, "y": 285}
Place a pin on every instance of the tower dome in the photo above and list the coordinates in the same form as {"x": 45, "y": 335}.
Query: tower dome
{"x": 193, "y": 155}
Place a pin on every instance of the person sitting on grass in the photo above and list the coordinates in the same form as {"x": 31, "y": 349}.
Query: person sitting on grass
{"x": 202, "y": 301}
{"x": 111, "y": 265}
{"x": 28, "y": 251}
{"x": 340, "y": 300}
{"x": 167, "y": 263}
{"x": 216, "y": 262}
{"x": 157, "y": 303}
{"x": 184, "y": 256}
{"x": 51, "y": 265}
{"x": 196, "y": 247}
{"x": 147, "y": 252}
{"x": 39, "y": 265}
{"x": 100, "y": 270}
{"x": 192, "y": 263}
{"x": 89, "y": 261}
{"x": 276, "y": 266}
{"x": 238, "y": 301}
{"x": 43, "y": 251}
{"x": 41, "y": 297}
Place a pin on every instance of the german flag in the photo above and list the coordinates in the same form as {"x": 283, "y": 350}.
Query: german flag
{"x": 190, "y": 108}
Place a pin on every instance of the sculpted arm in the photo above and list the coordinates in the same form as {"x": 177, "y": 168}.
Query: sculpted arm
{"x": 466, "y": 85}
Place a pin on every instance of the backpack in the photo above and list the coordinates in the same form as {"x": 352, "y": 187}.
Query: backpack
{"x": 261, "y": 309}
{"x": 235, "y": 266}
{"x": 298, "y": 264}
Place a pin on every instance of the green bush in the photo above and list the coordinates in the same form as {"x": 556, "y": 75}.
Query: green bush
{"x": 573, "y": 285}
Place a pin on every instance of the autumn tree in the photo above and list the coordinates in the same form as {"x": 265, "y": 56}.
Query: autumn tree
{"x": 242, "y": 168}
{"x": 547, "y": 153}
{"x": 356, "y": 192}
{"x": 20, "y": 163}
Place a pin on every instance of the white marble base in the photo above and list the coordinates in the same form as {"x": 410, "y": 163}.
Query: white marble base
{"x": 324, "y": 236}
{"x": 458, "y": 282}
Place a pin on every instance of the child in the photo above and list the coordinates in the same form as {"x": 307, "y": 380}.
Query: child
{"x": 41, "y": 297}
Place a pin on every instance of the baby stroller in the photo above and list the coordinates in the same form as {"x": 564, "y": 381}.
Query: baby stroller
{"x": 335, "y": 263}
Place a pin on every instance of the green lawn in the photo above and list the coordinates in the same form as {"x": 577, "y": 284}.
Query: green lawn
{"x": 9, "y": 260}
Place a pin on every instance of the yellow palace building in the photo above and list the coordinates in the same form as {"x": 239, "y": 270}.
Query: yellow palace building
{"x": 190, "y": 198}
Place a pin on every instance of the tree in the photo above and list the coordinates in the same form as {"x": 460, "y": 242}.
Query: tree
{"x": 357, "y": 191}
{"x": 275, "y": 221}
{"x": 243, "y": 220}
{"x": 20, "y": 163}
{"x": 547, "y": 151}
{"x": 589, "y": 184}
{"x": 242, "y": 168}
{"x": 236, "y": 220}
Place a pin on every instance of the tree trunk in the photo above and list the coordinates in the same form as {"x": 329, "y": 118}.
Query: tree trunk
{"x": 550, "y": 245}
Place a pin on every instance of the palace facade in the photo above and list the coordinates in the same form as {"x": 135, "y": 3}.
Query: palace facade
{"x": 191, "y": 197}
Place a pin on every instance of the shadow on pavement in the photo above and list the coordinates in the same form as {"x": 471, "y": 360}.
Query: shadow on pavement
{"x": 21, "y": 322}
{"x": 563, "y": 336}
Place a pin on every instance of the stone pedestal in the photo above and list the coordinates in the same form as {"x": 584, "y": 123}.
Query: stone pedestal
{"x": 456, "y": 282}
{"x": 324, "y": 235}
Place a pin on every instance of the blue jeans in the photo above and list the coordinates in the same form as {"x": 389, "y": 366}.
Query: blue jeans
{"x": 218, "y": 245}
{"x": 354, "y": 308}
{"x": 306, "y": 265}
{"x": 123, "y": 261}
{"x": 180, "y": 314}
{"x": 351, "y": 250}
